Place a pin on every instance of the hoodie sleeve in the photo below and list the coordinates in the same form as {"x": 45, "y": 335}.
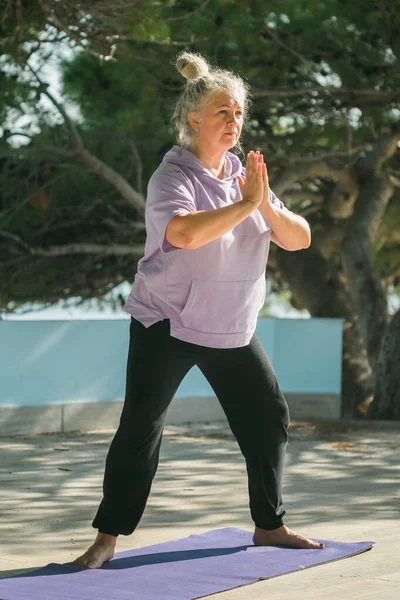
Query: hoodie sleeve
{"x": 169, "y": 193}
{"x": 275, "y": 200}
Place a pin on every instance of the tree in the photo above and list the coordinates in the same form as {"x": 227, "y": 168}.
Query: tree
{"x": 325, "y": 80}
{"x": 386, "y": 403}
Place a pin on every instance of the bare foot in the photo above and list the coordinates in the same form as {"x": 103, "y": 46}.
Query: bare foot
{"x": 283, "y": 537}
{"x": 100, "y": 552}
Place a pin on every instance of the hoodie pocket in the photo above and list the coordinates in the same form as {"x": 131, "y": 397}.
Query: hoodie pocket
{"x": 223, "y": 306}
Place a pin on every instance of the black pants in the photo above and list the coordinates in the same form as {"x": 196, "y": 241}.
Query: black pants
{"x": 245, "y": 385}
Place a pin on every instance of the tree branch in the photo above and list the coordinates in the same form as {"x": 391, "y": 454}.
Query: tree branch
{"x": 55, "y": 40}
{"x": 8, "y": 134}
{"x": 309, "y": 210}
{"x": 35, "y": 149}
{"x": 6, "y": 12}
{"x": 134, "y": 198}
{"x": 75, "y": 37}
{"x": 128, "y": 38}
{"x": 329, "y": 169}
{"x": 384, "y": 149}
{"x": 304, "y": 195}
{"x": 20, "y": 29}
{"x": 188, "y": 14}
{"x": 93, "y": 249}
{"x": 348, "y": 152}
{"x": 15, "y": 238}
{"x": 394, "y": 181}
{"x": 341, "y": 202}
{"x": 276, "y": 39}
{"x": 139, "y": 167}
{"x": 336, "y": 91}
{"x": 343, "y": 198}
{"x": 28, "y": 198}
{"x": 43, "y": 89}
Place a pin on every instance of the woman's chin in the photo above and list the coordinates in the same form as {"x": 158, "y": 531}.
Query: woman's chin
{"x": 228, "y": 141}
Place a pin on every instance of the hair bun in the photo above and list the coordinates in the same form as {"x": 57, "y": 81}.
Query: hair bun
{"x": 191, "y": 65}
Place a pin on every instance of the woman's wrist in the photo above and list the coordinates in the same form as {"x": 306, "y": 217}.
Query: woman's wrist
{"x": 251, "y": 201}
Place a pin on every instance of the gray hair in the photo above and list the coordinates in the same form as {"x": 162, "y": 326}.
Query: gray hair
{"x": 203, "y": 82}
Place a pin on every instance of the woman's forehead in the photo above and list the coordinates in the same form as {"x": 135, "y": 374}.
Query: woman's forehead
{"x": 224, "y": 99}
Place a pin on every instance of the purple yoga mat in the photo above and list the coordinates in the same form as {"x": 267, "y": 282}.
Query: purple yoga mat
{"x": 184, "y": 569}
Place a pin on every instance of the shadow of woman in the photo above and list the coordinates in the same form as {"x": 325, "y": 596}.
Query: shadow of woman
{"x": 131, "y": 562}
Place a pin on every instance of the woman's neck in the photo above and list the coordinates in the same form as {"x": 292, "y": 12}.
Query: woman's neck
{"x": 214, "y": 162}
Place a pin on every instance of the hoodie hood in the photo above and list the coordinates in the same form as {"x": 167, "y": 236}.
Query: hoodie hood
{"x": 184, "y": 158}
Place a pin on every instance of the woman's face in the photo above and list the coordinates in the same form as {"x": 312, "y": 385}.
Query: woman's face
{"x": 221, "y": 122}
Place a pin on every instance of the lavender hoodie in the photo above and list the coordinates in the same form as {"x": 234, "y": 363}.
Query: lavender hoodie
{"x": 212, "y": 295}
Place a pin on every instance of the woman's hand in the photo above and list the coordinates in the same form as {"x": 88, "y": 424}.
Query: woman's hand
{"x": 265, "y": 204}
{"x": 252, "y": 186}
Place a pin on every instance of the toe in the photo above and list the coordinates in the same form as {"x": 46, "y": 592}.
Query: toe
{"x": 315, "y": 544}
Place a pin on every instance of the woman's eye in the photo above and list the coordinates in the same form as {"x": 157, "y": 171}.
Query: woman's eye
{"x": 238, "y": 113}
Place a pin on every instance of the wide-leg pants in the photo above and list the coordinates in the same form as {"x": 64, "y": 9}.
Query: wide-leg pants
{"x": 245, "y": 385}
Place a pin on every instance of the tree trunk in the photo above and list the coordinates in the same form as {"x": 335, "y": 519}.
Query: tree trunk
{"x": 324, "y": 294}
{"x": 364, "y": 282}
{"x": 386, "y": 404}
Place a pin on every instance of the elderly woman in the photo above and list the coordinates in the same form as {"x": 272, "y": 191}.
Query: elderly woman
{"x": 195, "y": 301}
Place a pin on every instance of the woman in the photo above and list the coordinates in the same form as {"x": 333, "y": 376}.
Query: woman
{"x": 195, "y": 301}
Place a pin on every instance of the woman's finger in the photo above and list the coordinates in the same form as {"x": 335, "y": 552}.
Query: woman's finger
{"x": 265, "y": 173}
{"x": 249, "y": 164}
{"x": 253, "y": 162}
{"x": 265, "y": 183}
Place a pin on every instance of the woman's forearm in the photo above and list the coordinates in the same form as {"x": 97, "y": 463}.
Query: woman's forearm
{"x": 196, "y": 229}
{"x": 290, "y": 229}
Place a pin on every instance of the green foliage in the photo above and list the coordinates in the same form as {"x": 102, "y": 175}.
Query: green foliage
{"x": 150, "y": 29}
{"x": 125, "y": 108}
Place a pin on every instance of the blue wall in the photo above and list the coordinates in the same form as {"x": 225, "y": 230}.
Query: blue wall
{"x": 56, "y": 362}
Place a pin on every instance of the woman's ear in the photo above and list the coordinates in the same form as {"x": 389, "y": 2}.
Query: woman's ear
{"x": 194, "y": 120}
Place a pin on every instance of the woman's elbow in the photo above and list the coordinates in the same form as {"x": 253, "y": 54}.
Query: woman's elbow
{"x": 177, "y": 234}
{"x": 302, "y": 244}
{"x": 306, "y": 236}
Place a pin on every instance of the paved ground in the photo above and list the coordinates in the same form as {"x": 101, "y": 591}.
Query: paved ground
{"x": 341, "y": 483}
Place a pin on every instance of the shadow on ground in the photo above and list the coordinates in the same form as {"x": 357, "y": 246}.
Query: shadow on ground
{"x": 334, "y": 471}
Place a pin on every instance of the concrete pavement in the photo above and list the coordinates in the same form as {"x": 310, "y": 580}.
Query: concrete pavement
{"x": 341, "y": 483}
